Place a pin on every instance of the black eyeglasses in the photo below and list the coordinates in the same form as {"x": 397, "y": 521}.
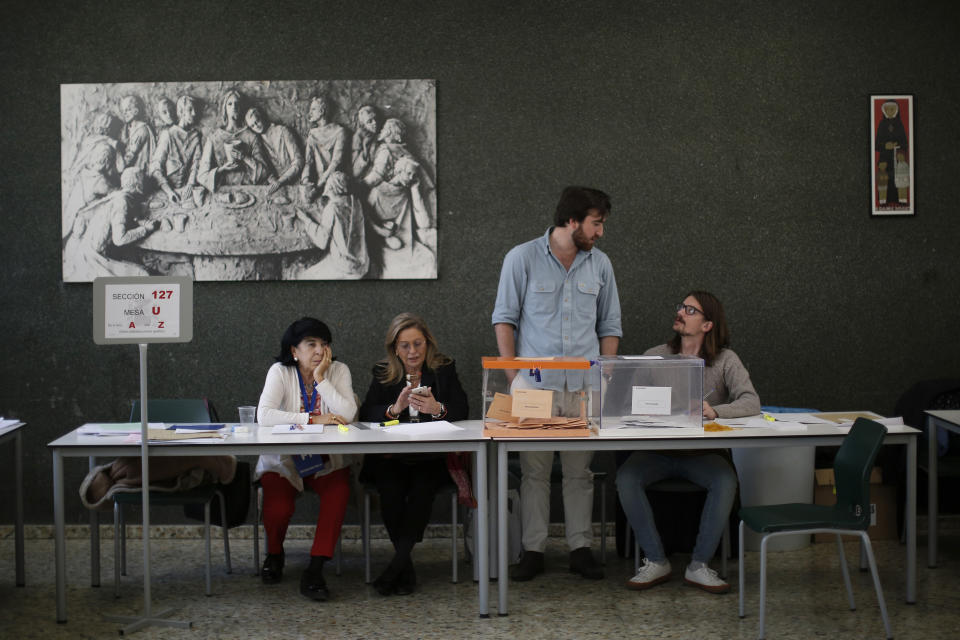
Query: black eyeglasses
{"x": 688, "y": 309}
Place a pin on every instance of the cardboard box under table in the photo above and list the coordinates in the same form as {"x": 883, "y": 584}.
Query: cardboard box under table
{"x": 640, "y": 395}
{"x": 883, "y": 505}
{"x": 540, "y": 397}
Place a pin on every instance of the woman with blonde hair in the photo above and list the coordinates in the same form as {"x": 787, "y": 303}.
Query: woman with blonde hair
{"x": 414, "y": 382}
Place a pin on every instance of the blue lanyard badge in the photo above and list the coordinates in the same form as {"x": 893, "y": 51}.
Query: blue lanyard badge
{"x": 308, "y": 404}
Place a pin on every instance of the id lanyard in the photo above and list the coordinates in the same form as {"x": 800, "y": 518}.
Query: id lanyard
{"x": 308, "y": 403}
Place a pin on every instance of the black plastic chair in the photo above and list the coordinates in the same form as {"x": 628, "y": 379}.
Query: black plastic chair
{"x": 184, "y": 410}
{"x": 850, "y": 515}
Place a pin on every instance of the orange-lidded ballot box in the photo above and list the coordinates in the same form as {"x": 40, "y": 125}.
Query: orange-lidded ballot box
{"x": 650, "y": 395}
{"x": 540, "y": 397}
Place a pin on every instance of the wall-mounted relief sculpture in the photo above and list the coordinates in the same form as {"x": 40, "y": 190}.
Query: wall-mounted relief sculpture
{"x": 278, "y": 180}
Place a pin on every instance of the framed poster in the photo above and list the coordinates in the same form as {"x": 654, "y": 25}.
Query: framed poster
{"x": 249, "y": 180}
{"x": 892, "y": 184}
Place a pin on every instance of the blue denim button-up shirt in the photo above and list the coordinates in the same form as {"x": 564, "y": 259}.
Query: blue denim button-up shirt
{"x": 557, "y": 312}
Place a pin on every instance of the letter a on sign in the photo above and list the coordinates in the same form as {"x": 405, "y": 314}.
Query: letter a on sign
{"x": 132, "y": 326}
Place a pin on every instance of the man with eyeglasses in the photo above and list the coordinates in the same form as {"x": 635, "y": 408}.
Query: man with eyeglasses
{"x": 700, "y": 329}
{"x": 558, "y": 297}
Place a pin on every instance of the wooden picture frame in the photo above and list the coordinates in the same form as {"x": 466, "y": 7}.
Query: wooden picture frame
{"x": 892, "y": 168}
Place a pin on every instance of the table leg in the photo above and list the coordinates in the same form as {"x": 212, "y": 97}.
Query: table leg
{"x": 502, "y": 536}
{"x": 483, "y": 537}
{"x": 932, "y": 503}
{"x": 94, "y": 539}
{"x": 492, "y": 515}
{"x": 18, "y": 491}
{"x": 60, "y": 545}
{"x": 911, "y": 521}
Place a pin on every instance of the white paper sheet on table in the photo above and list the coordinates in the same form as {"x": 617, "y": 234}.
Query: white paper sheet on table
{"x": 747, "y": 422}
{"x": 421, "y": 428}
{"x": 785, "y": 425}
{"x": 890, "y": 422}
{"x": 759, "y": 422}
{"x": 629, "y": 431}
{"x": 805, "y": 418}
{"x": 296, "y": 429}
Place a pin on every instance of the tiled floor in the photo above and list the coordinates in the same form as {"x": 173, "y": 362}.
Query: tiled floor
{"x": 806, "y": 597}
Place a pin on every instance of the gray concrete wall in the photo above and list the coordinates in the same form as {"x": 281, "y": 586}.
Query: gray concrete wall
{"x": 733, "y": 138}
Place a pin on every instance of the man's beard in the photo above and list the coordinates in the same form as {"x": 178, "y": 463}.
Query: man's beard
{"x": 581, "y": 242}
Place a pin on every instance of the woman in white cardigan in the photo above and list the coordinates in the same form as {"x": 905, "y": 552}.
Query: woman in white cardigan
{"x": 305, "y": 386}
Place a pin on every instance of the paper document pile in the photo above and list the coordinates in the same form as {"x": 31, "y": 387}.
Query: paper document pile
{"x": 543, "y": 423}
{"x": 536, "y": 420}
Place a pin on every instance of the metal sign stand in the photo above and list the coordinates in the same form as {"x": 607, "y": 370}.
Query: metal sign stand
{"x": 148, "y": 618}
{"x": 139, "y": 310}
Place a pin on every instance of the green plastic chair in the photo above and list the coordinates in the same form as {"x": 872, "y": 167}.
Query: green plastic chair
{"x": 849, "y": 516}
{"x": 179, "y": 410}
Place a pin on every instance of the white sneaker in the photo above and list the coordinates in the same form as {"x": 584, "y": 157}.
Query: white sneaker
{"x": 650, "y": 574}
{"x": 700, "y": 575}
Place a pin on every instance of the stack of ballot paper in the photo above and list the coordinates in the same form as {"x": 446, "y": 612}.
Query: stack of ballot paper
{"x": 527, "y": 414}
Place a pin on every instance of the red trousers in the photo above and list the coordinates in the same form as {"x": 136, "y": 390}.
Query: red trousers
{"x": 279, "y": 498}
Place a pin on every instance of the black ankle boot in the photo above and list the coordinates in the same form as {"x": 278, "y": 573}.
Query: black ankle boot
{"x": 386, "y": 583}
{"x": 406, "y": 581}
{"x": 312, "y": 584}
{"x": 530, "y": 566}
{"x": 272, "y": 571}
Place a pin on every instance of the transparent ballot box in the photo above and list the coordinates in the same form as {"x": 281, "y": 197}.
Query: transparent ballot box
{"x": 540, "y": 397}
{"x": 640, "y": 394}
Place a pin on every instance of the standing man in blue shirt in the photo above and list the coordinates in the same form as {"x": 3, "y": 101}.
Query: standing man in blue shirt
{"x": 558, "y": 297}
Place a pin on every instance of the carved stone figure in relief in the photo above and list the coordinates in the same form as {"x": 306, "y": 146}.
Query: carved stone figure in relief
{"x": 232, "y": 153}
{"x": 390, "y": 149}
{"x": 94, "y": 179}
{"x": 401, "y": 221}
{"x": 365, "y": 143}
{"x": 325, "y": 146}
{"x": 104, "y": 130}
{"x": 340, "y": 231}
{"x": 285, "y": 156}
{"x": 165, "y": 110}
{"x": 177, "y": 158}
{"x": 136, "y": 136}
{"x": 111, "y": 223}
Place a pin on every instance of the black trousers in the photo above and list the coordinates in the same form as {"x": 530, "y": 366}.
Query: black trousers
{"x": 407, "y": 487}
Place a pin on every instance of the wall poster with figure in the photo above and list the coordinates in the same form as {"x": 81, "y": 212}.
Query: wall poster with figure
{"x": 272, "y": 180}
{"x": 891, "y": 155}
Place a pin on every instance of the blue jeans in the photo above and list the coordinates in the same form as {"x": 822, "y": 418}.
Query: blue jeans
{"x": 709, "y": 471}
